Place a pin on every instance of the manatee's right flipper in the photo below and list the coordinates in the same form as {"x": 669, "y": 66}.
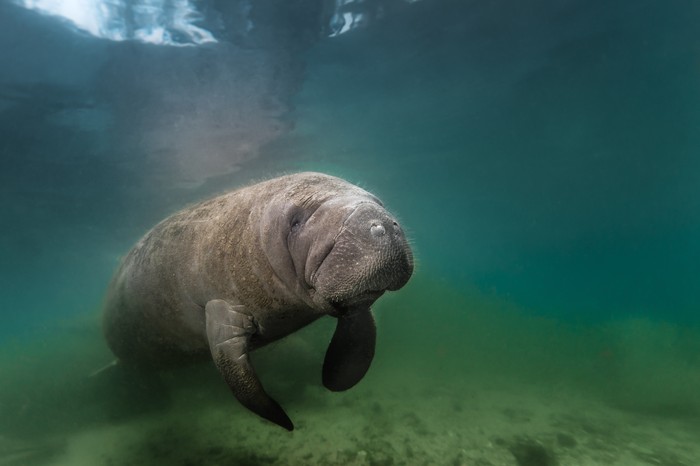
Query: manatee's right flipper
{"x": 228, "y": 330}
{"x": 351, "y": 350}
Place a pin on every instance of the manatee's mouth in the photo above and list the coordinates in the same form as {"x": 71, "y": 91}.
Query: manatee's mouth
{"x": 359, "y": 301}
{"x": 365, "y": 297}
{"x": 341, "y": 305}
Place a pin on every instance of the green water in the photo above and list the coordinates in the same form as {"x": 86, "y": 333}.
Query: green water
{"x": 458, "y": 378}
{"x": 542, "y": 159}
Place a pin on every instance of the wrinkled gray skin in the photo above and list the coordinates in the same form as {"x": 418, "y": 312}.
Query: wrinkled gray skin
{"x": 244, "y": 269}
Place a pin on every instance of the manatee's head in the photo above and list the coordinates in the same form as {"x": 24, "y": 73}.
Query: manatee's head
{"x": 346, "y": 249}
{"x": 366, "y": 255}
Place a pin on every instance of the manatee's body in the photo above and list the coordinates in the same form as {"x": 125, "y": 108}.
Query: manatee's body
{"x": 236, "y": 272}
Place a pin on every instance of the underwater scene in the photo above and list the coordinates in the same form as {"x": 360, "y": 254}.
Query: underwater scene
{"x": 532, "y": 261}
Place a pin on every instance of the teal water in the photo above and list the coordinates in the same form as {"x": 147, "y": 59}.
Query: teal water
{"x": 543, "y": 159}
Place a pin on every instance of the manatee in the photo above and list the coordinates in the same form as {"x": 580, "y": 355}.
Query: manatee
{"x": 236, "y": 272}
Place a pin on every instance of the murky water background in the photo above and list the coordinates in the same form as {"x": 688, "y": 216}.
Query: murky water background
{"x": 543, "y": 158}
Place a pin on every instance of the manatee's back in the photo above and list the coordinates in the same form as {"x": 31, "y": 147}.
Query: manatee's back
{"x": 143, "y": 309}
{"x": 154, "y": 309}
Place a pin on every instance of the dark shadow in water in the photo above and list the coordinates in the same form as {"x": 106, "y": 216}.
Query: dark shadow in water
{"x": 48, "y": 389}
{"x": 127, "y": 392}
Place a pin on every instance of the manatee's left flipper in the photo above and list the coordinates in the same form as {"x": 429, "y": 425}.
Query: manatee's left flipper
{"x": 351, "y": 350}
{"x": 229, "y": 329}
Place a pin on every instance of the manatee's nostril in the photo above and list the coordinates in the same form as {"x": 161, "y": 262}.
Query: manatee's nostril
{"x": 378, "y": 230}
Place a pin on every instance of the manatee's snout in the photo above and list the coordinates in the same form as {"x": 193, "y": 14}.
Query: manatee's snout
{"x": 377, "y": 234}
{"x": 369, "y": 256}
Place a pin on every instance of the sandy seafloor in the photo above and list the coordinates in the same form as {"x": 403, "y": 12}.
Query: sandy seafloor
{"x": 506, "y": 389}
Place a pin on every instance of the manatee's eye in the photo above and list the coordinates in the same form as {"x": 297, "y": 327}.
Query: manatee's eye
{"x": 295, "y": 225}
{"x": 297, "y": 218}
